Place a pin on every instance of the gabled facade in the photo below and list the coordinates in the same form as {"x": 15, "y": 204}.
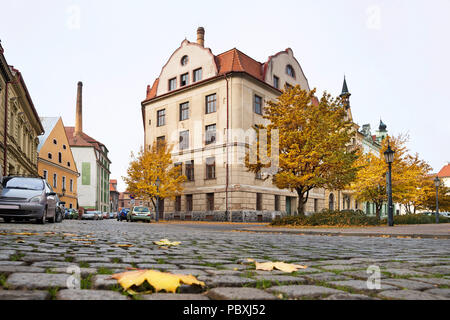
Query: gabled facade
{"x": 20, "y": 125}
{"x": 56, "y": 162}
{"x": 206, "y": 105}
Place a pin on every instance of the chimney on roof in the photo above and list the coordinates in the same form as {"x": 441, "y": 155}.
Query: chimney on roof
{"x": 201, "y": 36}
{"x": 79, "y": 114}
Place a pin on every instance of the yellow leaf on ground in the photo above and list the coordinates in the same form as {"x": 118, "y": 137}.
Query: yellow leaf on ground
{"x": 123, "y": 245}
{"x": 70, "y": 235}
{"x": 282, "y": 266}
{"x": 82, "y": 240}
{"x": 166, "y": 242}
{"x": 24, "y": 234}
{"x": 158, "y": 280}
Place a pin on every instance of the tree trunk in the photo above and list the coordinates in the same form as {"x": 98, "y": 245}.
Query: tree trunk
{"x": 302, "y": 199}
{"x": 378, "y": 210}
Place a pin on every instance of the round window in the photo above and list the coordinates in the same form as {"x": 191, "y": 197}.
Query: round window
{"x": 184, "y": 60}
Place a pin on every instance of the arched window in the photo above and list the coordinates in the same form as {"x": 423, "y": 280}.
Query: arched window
{"x": 184, "y": 60}
{"x": 331, "y": 202}
{"x": 290, "y": 71}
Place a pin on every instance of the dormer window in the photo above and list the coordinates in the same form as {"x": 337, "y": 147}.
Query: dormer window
{"x": 197, "y": 75}
{"x": 172, "y": 84}
{"x": 184, "y": 60}
{"x": 184, "y": 81}
{"x": 290, "y": 71}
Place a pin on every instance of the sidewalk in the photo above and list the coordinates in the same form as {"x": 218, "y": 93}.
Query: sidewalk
{"x": 440, "y": 231}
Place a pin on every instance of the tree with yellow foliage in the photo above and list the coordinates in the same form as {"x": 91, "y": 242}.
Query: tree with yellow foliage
{"x": 311, "y": 139}
{"x": 144, "y": 170}
{"x": 426, "y": 199}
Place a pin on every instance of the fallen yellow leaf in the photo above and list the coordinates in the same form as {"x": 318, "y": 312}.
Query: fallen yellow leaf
{"x": 123, "y": 245}
{"x": 282, "y": 266}
{"x": 166, "y": 242}
{"x": 82, "y": 240}
{"x": 158, "y": 280}
{"x": 24, "y": 234}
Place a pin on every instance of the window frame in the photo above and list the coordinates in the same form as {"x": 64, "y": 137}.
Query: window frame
{"x": 209, "y": 134}
{"x": 276, "y": 82}
{"x": 185, "y": 145}
{"x": 184, "y": 111}
{"x": 255, "y": 98}
{"x": 189, "y": 170}
{"x": 159, "y": 117}
{"x": 174, "y": 81}
{"x": 186, "y": 76}
{"x": 212, "y": 103}
{"x": 210, "y": 173}
{"x": 194, "y": 73}
{"x": 290, "y": 71}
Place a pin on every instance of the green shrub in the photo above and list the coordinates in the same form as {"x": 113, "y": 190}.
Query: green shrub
{"x": 416, "y": 219}
{"x": 330, "y": 218}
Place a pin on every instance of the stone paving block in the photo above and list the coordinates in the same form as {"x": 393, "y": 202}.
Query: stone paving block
{"x": 216, "y": 272}
{"x": 138, "y": 260}
{"x": 300, "y": 291}
{"x": 363, "y": 275}
{"x": 32, "y": 281}
{"x": 325, "y": 276}
{"x": 194, "y": 272}
{"x": 239, "y": 294}
{"x": 442, "y": 292}
{"x": 7, "y": 252}
{"x": 274, "y": 279}
{"x": 53, "y": 264}
{"x": 343, "y": 268}
{"x": 4, "y": 257}
{"x": 436, "y": 281}
{"x": 24, "y": 269}
{"x": 104, "y": 282}
{"x": 408, "y": 284}
{"x": 12, "y": 263}
{"x": 173, "y": 296}
{"x": 92, "y": 259}
{"x": 235, "y": 266}
{"x": 349, "y": 296}
{"x": 403, "y": 272}
{"x": 156, "y": 266}
{"x": 84, "y": 272}
{"x": 226, "y": 281}
{"x": 409, "y": 295}
{"x": 444, "y": 270}
{"x": 361, "y": 285}
{"x": 23, "y": 295}
{"x": 109, "y": 265}
{"x": 89, "y": 295}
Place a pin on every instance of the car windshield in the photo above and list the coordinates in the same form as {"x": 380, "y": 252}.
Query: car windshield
{"x": 23, "y": 183}
{"x": 141, "y": 209}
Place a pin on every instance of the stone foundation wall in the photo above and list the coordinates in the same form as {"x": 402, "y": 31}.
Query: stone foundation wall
{"x": 221, "y": 216}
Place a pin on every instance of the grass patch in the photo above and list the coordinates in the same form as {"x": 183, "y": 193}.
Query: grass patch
{"x": 264, "y": 284}
{"x": 161, "y": 261}
{"x": 16, "y": 257}
{"x": 103, "y": 270}
{"x": 69, "y": 259}
{"x": 3, "y": 278}
{"x": 49, "y": 271}
{"x": 86, "y": 283}
{"x": 84, "y": 264}
{"x": 53, "y": 292}
{"x": 116, "y": 260}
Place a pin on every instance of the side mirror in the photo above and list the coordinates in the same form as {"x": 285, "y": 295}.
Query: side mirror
{"x": 51, "y": 194}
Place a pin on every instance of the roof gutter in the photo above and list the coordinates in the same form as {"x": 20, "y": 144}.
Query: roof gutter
{"x": 5, "y": 142}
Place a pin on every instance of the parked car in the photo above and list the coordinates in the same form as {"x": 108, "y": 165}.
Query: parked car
{"x": 123, "y": 214}
{"x": 25, "y": 198}
{"x": 60, "y": 210}
{"x": 113, "y": 215}
{"x": 445, "y": 214}
{"x": 105, "y": 215}
{"x": 90, "y": 215}
{"x": 140, "y": 213}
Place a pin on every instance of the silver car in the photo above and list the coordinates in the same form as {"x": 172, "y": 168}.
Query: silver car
{"x": 24, "y": 198}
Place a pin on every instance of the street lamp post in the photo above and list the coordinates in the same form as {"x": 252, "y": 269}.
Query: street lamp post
{"x": 437, "y": 183}
{"x": 158, "y": 183}
{"x": 389, "y": 157}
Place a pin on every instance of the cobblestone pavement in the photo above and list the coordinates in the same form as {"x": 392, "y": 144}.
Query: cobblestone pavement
{"x": 38, "y": 265}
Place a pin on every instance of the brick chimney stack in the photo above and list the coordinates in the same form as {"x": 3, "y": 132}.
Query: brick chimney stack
{"x": 201, "y": 36}
{"x": 79, "y": 115}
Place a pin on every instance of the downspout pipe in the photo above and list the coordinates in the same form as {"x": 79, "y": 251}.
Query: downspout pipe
{"x": 5, "y": 143}
{"x": 227, "y": 150}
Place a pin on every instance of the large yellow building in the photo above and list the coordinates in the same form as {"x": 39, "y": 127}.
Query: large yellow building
{"x": 56, "y": 163}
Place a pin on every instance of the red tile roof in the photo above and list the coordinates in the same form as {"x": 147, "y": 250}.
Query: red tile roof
{"x": 237, "y": 61}
{"x": 445, "y": 172}
{"x": 82, "y": 139}
{"x": 152, "y": 92}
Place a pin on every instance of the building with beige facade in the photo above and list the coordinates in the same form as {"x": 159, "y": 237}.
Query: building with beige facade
{"x": 20, "y": 125}
{"x": 206, "y": 105}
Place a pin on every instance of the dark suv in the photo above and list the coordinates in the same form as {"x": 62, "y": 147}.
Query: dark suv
{"x": 24, "y": 198}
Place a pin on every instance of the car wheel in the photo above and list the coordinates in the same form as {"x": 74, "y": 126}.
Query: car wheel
{"x": 53, "y": 219}
{"x": 42, "y": 220}
{"x": 59, "y": 217}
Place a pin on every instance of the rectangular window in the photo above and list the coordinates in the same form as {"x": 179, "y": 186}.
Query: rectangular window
{"x": 45, "y": 175}
{"x": 184, "y": 111}
{"x": 161, "y": 118}
{"x": 257, "y": 104}
{"x": 85, "y": 173}
{"x": 189, "y": 203}
{"x": 316, "y": 205}
{"x": 210, "y": 168}
{"x": 178, "y": 204}
{"x": 179, "y": 166}
{"x": 197, "y": 75}
{"x": 160, "y": 141}
{"x": 211, "y": 103}
{"x": 64, "y": 183}
{"x": 210, "y": 134}
{"x": 184, "y": 80}
{"x": 172, "y": 84}
{"x": 259, "y": 201}
{"x": 55, "y": 180}
{"x": 71, "y": 185}
{"x": 190, "y": 170}
{"x": 276, "y": 82}
{"x": 59, "y": 157}
{"x": 288, "y": 86}
{"x": 277, "y": 203}
{"x": 258, "y": 175}
{"x": 210, "y": 201}
{"x": 184, "y": 140}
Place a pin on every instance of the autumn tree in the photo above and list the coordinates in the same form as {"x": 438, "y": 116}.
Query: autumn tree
{"x": 311, "y": 140}
{"x": 147, "y": 167}
{"x": 427, "y": 198}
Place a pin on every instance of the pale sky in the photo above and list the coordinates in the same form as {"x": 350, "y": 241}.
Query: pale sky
{"x": 395, "y": 55}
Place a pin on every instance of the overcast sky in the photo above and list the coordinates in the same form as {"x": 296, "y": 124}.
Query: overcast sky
{"x": 395, "y": 54}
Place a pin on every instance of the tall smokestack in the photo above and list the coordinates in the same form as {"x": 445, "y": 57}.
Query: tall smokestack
{"x": 201, "y": 36}
{"x": 79, "y": 115}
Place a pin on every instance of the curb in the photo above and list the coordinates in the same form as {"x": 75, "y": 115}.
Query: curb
{"x": 350, "y": 234}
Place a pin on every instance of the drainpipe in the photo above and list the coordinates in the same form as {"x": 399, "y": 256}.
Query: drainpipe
{"x": 6, "y": 130}
{"x": 227, "y": 150}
